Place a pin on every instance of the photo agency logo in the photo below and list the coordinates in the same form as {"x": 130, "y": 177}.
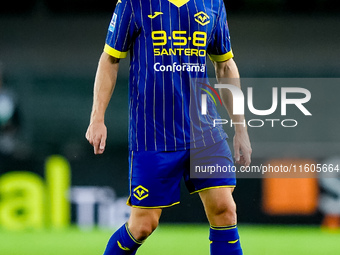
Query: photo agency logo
{"x": 295, "y": 96}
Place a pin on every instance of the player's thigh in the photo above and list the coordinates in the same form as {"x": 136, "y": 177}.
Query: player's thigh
{"x": 139, "y": 216}
{"x": 219, "y": 205}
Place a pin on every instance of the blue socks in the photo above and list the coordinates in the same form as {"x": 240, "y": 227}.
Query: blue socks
{"x": 122, "y": 243}
{"x": 225, "y": 241}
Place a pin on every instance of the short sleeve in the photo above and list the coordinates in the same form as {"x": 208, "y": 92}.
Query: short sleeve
{"x": 219, "y": 47}
{"x": 121, "y": 30}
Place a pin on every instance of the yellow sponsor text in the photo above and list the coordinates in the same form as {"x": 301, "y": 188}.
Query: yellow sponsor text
{"x": 179, "y": 52}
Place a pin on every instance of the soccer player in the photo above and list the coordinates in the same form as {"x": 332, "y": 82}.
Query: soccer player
{"x": 169, "y": 42}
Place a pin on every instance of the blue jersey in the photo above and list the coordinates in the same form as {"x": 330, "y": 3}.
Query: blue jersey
{"x": 169, "y": 41}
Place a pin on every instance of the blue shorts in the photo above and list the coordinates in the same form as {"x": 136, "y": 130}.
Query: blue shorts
{"x": 155, "y": 176}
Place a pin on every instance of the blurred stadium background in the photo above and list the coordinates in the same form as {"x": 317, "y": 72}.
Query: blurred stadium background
{"x": 49, "y": 52}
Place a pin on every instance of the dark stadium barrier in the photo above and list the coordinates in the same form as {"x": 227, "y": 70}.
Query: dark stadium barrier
{"x": 56, "y": 192}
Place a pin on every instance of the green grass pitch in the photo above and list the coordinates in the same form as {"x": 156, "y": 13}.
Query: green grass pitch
{"x": 175, "y": 239}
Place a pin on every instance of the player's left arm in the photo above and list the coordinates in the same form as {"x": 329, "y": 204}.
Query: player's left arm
{"x": 227, "y": 71}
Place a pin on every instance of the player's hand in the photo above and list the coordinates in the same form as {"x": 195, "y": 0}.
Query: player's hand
{"x": 96, "y": 135}
{"x": 242, "y": 148}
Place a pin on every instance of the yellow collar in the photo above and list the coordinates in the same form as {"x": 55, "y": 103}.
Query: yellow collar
{"x": 179, "y": 3}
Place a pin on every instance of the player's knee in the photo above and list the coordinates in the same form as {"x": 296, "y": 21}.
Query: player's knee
{"x": 143, "y": 222}
{"x": 146, "y": 228}
{"x": 225, "y": 212}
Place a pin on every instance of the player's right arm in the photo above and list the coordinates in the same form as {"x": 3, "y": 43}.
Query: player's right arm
{"x": 104, "y": 85}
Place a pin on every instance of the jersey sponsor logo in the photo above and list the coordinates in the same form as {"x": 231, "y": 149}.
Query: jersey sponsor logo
{"x": 113, "y": 22}
{"x": 180, "y": 52}
{"x": 189, "y": 67}
{"x": 202, "y": 18}
{"x": 122, "y": 247}
{"x": 178, "y": 3}
{"x": 140, "y": 192}
{"x": 182, "y": 43}
{"x": 155, "y": 15}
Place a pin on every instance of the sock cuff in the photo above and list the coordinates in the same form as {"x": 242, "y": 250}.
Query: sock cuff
{"x": 224, "y": 234}
{"x": 223, "y": 227}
